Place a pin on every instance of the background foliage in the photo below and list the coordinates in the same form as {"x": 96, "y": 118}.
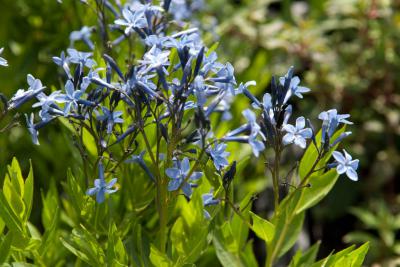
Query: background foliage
{"x": 346, "y": 51}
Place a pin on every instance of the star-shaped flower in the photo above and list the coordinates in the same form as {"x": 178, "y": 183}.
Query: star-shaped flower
{"x": 297, "y": 134}
{"x": 346, "y": 164}
{"x": 110, "y": 118}
{"x": 178, "y": 175}
{"x": 218, "y": 155}
{"x": 101, "y": 187}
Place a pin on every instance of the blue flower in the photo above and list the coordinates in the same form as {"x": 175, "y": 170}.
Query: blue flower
{"x": 243, "y": 88}
{"x": 22, "y": 96}
{"x": 110, "y": 118}
{"x": 83, "y": 34}
{"x": 268, "y": 110}
{"x": 141, "y": 81}
{"x": 32, "y": 128}
{"x": 71, "y": 97}
{"x": 101, "y": 187}
{"x": 62, "y": 61}
{"x": 333, "y": 115}
{"x": 225, "y": 78}
{"x": 209, "y": 200}
{"x": 200, "y": 90}
{"x": 131, "y": 20}
{"x": 48, "y": 100}
{"x": 87, "y": 80}
{"x": 183, "y": 10}
{"x": 210, "y": 64}
{"x": 178, "y": 173}
{"x": 155, "y": 40}
{"x": 330, "y": 121}
{"x": 255, "y": 131}
{"x": 345, "y": 164}
{"x": 219, "y": 155}
{"x": 294, "y": 88}
{"x": 140, "y": 161}
{"x": 3, "y": 62}
{"x": 155, "y": 59}
{"x": 78, "y": 57}
{"x": 189, "y": 39}
{"x": 297, "y": 134}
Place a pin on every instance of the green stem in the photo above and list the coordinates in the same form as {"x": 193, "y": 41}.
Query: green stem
{"x": 163, "y": 213}
{"x": 161, "y": 198}
{"x": 275, "y": 177}
{"x": 273, "y": 250}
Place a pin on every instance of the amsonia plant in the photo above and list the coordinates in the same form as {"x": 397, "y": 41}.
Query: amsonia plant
{"x": 145, "y": 103}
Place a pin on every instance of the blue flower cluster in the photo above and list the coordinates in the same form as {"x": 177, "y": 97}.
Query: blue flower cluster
{"x": 273, "y": 128}
{"x": 177, "y": 77}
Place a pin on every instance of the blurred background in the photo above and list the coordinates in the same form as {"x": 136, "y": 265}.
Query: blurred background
{"x": 346, "y": 51}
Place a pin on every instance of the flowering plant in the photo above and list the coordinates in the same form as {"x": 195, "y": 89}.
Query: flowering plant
{"x": 144, "y": 104}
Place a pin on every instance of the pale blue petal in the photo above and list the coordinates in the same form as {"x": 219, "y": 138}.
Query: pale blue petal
{"x": 352, "y": 174}
{"x": 339, "y": 157}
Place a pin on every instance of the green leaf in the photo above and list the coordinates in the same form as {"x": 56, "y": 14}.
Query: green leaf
{"x": 247, "y": 255}
{"x": 287, "y": 229}
{"x": 307, "y": 258}
{"x": 321, "y": 185}
{"x": 77, "y": 196}
{"x": 159, "y": 259}
{"x": 75, "y": 250}
{"x": 16, "y": 176}
{"x": 262, "y": 228}
{"x": 49, "y": 237}
{"x": 361, "y": 237}
{"x": 354, "y": 258}
{"x": 189, "y": 233}
{"x": 50, "y": 205}
{"x": 85, "y": 246}
{"x": 332, "y": 258}
{"x": 5, "y": 247}
{"x": 212, "y": 48}
{"x": 367, "y": 217}
{"x": 226, "y": 257}
{"x": 9, "y": 217}
{"x": 23, "y": 242}
{"x": 28, "y": 193}
{"x": 116, "y": 252}
{"x": 13, "y": 198}
{"x": 292, "y": 233}
{"x": 238, "y": 225}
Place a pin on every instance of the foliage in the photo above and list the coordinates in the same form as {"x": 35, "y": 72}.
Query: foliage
{"x": 151, "y": 124}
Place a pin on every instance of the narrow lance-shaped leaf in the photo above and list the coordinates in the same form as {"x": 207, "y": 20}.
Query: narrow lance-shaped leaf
{"x": 262, "y": 228}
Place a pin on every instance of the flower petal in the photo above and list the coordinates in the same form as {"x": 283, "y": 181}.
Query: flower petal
{"x": 300, "y": 141}
{"x": 174, "y": 184}
{"x": 100, "y": 196}
{"x": 354, "y": 164}
{"x": 288, "y": 139}
{"x": 185, "y": 166}
{"x": 341, "y": 169}
{"x": 173, "y": 173}
{"x": 352, "y": 174}
{"x": 91, "y": 191}
{"x": 300, "y": 123}
{"x": 187, "y": 189}
{"x": 339, "y": 157}
{"x": 196, "y": 175}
